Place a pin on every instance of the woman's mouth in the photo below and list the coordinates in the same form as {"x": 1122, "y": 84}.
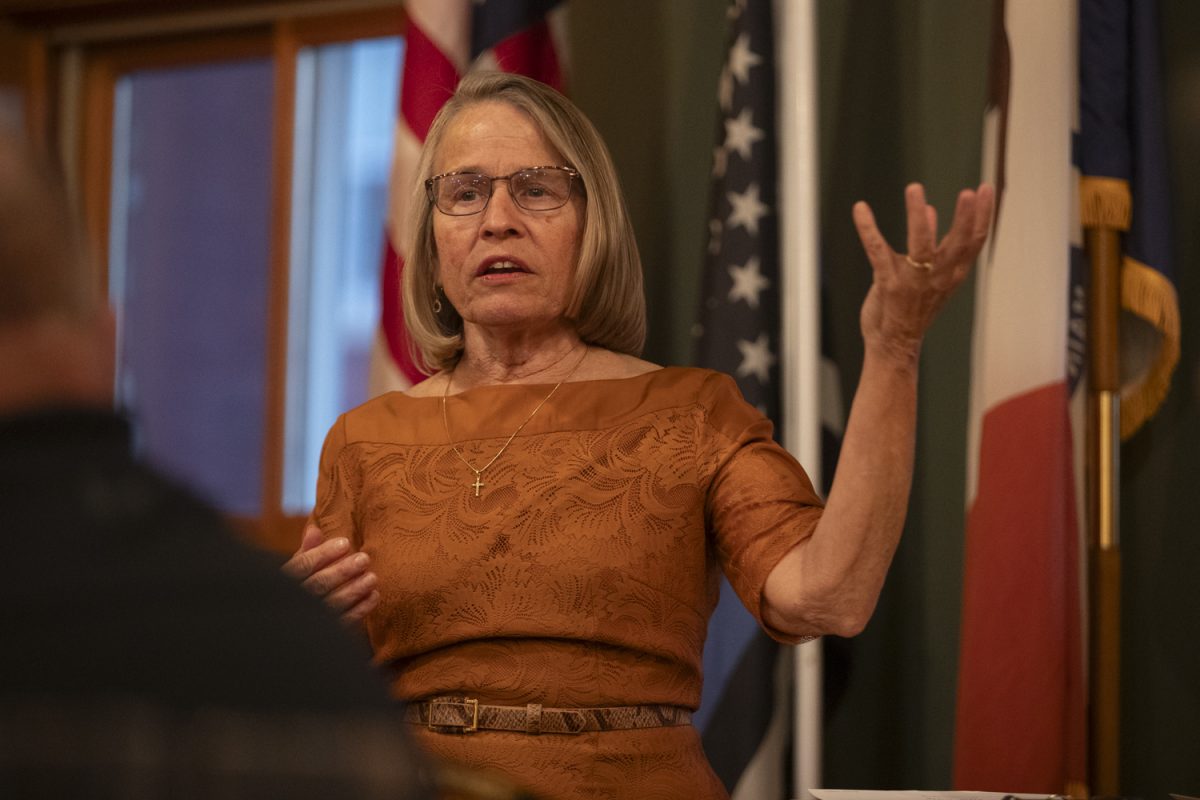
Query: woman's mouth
{"x": 501, "y": 267}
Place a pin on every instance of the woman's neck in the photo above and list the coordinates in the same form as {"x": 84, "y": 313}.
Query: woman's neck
{"x": 490, "y": 359}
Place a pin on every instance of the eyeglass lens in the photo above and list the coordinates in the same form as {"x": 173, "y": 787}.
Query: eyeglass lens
{"x": 531, "y": 189}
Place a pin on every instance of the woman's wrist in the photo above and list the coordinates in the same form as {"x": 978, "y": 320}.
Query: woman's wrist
{"x": 902, "y": 354}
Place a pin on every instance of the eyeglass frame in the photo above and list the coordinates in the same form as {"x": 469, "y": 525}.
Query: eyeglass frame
{"x": 572, "y": 175}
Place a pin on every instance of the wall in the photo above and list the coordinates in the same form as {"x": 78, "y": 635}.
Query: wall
{"x": 646, "y": 73}
{"x": 1160, "y": 475}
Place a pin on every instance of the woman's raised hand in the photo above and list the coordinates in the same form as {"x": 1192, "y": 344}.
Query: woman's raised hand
{"x": 337, "y": 574}
{"x": 909, "y": 289}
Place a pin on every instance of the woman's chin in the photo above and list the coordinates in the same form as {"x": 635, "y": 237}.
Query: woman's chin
{"x": 514, "y": 316}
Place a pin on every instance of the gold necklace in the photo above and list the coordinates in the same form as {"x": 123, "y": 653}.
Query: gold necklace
{"x": 479, "y": 484}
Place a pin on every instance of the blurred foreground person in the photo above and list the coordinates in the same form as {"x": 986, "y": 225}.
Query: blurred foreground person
{"x": 146, "y": 652}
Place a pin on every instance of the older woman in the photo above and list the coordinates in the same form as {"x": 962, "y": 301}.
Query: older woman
{"x": 534, "y": 535}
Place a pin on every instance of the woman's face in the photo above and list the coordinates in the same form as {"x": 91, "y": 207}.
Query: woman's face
{"x": 504, "y": 266}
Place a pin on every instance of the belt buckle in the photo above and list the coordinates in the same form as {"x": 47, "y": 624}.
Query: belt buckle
{"x": 462, "y": 727}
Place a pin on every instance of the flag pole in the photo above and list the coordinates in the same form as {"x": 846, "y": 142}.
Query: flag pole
{"x": 800, "y": 293}
{"x": 1122, "y": 156}
{"x": 1104, "y": 553}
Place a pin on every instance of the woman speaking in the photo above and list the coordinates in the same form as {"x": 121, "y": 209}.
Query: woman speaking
{"x": 533, "y": 536}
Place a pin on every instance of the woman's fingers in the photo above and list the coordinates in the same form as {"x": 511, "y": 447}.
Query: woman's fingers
{"x": 985, "y": 201}
{"x": 353, "y": 592}
{"x": 303, "y": 561}
{"x": 360, "y": 610}
{"x": 878, "y": 251}
{"x": 922, "y": 224}
{"x": 969, "y": 229}
{"x": 337, "y": 574}
{"x": 311, "y": 558}
{"x": 312, "y": 537}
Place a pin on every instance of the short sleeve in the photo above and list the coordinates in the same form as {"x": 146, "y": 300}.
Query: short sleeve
{"x": 760, "y": 502}
{"x": 334, "y": 509}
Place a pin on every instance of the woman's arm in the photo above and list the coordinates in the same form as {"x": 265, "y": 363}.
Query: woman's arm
{"x": 830, "y": 582}
{"x": 329, "y": 566}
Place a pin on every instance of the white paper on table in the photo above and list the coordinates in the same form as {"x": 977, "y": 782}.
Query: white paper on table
{"x": 918, "y": 794}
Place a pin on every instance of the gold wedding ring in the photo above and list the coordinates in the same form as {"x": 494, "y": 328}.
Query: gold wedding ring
{"x": 918, "y": 264}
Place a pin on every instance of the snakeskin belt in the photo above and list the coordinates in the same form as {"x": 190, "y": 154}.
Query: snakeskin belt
{"x": 465, "y": 715}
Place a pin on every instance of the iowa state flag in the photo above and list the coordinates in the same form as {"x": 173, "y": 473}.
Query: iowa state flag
{"x": 1124, "y": 186}
{"x": 1074, "y": 138}
{"x": 1021, "y": 711}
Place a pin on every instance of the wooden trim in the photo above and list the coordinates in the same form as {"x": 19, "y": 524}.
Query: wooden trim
{"x": 95, "y": 159}
{"x": 38, "y": 119}
{"x": 25, "y": 71}
{"x": 182, "y": 50}
{"x": 285, "y": 48}
{"x": 280, "y": 534}
{"x": 370, "y": 23}
{"x": 137, "y": 21}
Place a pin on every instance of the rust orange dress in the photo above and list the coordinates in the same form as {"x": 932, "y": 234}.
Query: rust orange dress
{"x": 584, "y": 572}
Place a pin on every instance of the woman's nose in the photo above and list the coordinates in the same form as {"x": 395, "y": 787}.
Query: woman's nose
{"x": 502, "y": 214}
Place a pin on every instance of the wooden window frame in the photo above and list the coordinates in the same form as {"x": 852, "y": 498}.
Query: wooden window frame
{"x": 98, "y": 65}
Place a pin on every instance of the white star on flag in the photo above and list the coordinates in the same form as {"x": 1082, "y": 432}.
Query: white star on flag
{"x": 748, "y": 282}
{"x": 742, "y": 58}
{"x": 748, "y": 209}
{"x": 740, "y": 133}
{"x": 757, "y": 358}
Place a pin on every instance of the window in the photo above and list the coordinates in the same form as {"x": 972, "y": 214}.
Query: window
{"x": 187, "y": 270}
{"x": 345, "y": 100}
{"x": 236, "y": 182}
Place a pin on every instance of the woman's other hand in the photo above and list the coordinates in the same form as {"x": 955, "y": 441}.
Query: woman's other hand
{"x": 335, "y": 572}
{"x": 909, "y": 289}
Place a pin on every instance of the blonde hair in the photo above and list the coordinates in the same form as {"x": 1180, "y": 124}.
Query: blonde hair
{"x": 606, "y": 302}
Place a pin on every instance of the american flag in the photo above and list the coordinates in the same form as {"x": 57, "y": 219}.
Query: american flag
{"x": 740, "y": 319}
{"x": 738, "y": 334}
{"x": 445, "y": 39}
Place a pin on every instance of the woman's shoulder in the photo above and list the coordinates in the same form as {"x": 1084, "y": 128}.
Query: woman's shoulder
{"x": 667, "y": 386}
{"x": 387, "y": 417}
{"x": 610, "y": 365}
{"x": 602, "y": 364}
{"x": 429, "y": 387}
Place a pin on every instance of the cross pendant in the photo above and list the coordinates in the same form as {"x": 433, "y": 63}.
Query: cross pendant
{"x": 477, "y": 484}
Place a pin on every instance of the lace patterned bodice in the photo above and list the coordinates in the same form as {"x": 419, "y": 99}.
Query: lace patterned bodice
{"x": 585, "y": 572}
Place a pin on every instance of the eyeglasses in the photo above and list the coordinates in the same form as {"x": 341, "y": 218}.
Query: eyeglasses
{"x": 460, "y": 194}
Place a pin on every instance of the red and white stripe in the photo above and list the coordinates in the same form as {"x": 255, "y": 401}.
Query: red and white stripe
{"x": 1021, "y": 723}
